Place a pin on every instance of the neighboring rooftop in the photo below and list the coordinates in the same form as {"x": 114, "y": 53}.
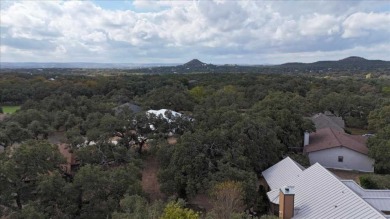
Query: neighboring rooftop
{"x": 328, "y": 120}
{"x": 330, "y": 138}
{"x": 318, "y": 193}
{"x": 165, "y": 113}
{"x": 131, "y": 106}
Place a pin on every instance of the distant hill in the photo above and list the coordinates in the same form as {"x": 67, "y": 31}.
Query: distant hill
{"x": 194, "y": 63}
{"x": 349, "y": 65}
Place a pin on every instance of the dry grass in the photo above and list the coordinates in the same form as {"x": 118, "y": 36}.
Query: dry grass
{"x": 344, "y": 174}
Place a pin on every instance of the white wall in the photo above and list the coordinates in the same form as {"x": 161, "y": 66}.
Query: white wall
{"x": 352, "y": 160}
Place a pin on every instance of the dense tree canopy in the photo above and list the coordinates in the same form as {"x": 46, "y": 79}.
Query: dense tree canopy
{"x": 233, "y": 127}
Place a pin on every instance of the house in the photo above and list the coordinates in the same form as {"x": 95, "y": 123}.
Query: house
{"x": 336, "y": 149}
{"x": 296, "y": 192}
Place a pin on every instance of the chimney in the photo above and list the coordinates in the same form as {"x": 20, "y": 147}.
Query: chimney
{"x": 286, "y": 202}
{"x": 306, "y": 139}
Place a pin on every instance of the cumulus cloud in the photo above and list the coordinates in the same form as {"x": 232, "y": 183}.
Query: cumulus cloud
{"x": 362, "y": 24}
{"x": 174, "y": 31}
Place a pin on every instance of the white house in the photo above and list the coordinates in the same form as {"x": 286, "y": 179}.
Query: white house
{"x": 335, "y": 149}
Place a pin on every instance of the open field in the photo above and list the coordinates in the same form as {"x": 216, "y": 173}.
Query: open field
{"x": 10, "y": 109}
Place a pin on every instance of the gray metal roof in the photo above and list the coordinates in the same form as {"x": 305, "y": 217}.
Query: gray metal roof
{"x": 321, "y": 120}
{"x": 379, "y": 199}
{"x": 366, "y": 193}
{"x": 318, "y": 193}
{"x": 281, "y": 173}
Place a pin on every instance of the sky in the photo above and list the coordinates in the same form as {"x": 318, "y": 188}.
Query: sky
{"x": 213, "y": 31}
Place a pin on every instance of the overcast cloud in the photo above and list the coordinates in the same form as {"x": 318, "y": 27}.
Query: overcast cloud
{"x": 220, "y": 31}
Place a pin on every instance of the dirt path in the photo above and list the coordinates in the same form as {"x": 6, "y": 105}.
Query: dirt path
{"x": 150, "y": 182}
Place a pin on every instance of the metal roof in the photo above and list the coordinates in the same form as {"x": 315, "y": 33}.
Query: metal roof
{"x": 281, "y": 173}
{"x": 366, "y": 193}
{"x": 379, "y": 199}
{"x": 321, "y": 120}
{"x": 318, "y": 193}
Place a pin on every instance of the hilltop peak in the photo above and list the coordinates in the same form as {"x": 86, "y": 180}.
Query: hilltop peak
{"x": 194, "y": 63}
{"x": 353, "y": 59}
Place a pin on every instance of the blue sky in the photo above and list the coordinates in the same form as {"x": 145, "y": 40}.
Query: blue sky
{"x": 214, "y": 31}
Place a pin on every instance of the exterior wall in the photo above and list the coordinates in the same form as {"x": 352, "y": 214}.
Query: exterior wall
{"x": 352, "y": 160}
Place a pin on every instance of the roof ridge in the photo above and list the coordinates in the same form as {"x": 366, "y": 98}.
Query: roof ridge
{"x": 338, "y": 140}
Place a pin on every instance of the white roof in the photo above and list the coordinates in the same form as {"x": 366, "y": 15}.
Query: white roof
{"x": 318, "y": 193}
{"x": 164, "y": 113}
{"x": 281, "y": 173}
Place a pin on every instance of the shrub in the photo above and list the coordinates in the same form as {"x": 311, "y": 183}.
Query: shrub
{"x": 375, "y": 181}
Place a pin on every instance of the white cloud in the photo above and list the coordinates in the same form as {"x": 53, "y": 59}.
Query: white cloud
{"x": 174, "y": 31}
{"x": 361, "y": 24}
{"x": 319, "y": 24}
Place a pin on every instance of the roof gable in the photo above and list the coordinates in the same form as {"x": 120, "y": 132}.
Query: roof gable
{"x": 329, "y": 138}
{"x": 281, "y": 173}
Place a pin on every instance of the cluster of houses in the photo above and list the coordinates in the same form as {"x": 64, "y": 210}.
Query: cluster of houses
{"x": 315, "y": 192}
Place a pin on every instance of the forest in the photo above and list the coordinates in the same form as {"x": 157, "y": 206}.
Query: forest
{"x": 231, "y": 127}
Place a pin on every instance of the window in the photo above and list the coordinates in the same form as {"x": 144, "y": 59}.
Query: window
{"x": 341, "y": 158}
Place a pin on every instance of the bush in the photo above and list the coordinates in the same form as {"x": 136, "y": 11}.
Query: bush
{"x": 367, "y": 182}
{"x": 375, "y": 181}
{"x": 300, "y": 158}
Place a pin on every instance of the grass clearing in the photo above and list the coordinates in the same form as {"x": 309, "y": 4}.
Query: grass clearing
{"x": 10, "y": 109}
{"x": 355, "y": 131}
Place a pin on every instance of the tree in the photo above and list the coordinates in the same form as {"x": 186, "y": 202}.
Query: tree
{"x": 337, "y": 103}
{"x": 37, "y": 129}
{"x": 20, "y": 169}
{"x": 379, "y": 150}
{"x": 74, "y": 137}
{"x": 14, "y": 133}
{"x": 174, "y": 210}
{"x": 99, "y": 192}
{"x": 56, "y": 197}
{"x": 228, "y": 199}
{"x": 137, "y": 207}
{"x": 379, "y": 118}
{"x": 286, "y": 110}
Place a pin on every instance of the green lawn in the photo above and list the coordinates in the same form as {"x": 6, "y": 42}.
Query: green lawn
{"x": 10, "y": 109}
